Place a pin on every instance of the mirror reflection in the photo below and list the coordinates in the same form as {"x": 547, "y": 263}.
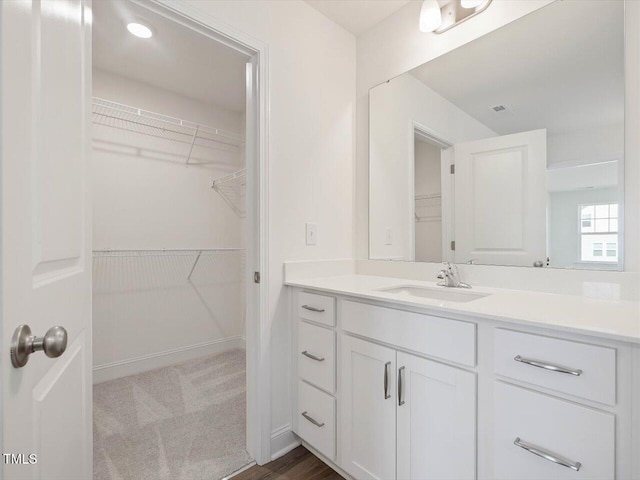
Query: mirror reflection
{"x": 508, "y": 150}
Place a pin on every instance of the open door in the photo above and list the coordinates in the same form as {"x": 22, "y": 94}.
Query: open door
{"x": 45, "y": 75}
{"x": 501, "y": 200}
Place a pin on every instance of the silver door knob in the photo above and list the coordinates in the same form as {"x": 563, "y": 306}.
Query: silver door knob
{"x": 23, "y": 344}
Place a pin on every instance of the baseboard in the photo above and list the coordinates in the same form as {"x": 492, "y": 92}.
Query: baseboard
{"x": 239, "y": 471}
{"x": 283, "y": 440}
{"x": 131, "y": 366}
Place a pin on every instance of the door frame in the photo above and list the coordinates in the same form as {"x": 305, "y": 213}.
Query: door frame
{"x": 437, "y": 140}
{"x": 257, "y": 141}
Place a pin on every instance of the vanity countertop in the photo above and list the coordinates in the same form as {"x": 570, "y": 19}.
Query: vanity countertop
{"x": 612, "y": 319}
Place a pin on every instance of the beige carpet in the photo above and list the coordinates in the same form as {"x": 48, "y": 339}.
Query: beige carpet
{"x": 183, "y": 422}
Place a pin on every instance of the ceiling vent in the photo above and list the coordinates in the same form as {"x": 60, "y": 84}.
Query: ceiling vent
{"x": 500, "y": 109}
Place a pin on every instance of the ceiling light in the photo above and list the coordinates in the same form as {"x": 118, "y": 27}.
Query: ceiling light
{"x": 139, "y": 30}
{"x": 471, "y": 3}
{"x": 430, "y": 16}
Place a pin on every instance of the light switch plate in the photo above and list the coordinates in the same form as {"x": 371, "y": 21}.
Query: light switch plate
{"x": 312, "y": 233}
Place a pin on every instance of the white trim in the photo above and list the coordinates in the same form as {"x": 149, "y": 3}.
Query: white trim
{"x": 283, "y": 440}
{"x": 143, "y": 363}
{"x": 257, "y": 325}
{"x": 428, "y": 135}
{"x": 239, "y": 471}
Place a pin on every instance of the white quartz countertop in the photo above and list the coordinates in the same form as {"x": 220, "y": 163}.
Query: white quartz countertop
{"x": 613, "y": 319}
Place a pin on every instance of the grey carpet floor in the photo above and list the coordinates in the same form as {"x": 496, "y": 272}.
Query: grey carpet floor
{"x": 183, "y": 422}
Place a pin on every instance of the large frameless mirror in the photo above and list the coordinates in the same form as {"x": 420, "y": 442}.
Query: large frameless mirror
{"x": 508, "y": 150}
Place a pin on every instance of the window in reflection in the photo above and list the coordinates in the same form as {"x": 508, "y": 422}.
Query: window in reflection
{"x": 599, "y": 233}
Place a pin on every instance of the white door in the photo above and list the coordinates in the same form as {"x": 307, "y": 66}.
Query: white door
{"x": 368, "y": 416}
{"x": 436, "y": 435}
{"x": 501, "y": 199}
{"x": 45, "y": 55}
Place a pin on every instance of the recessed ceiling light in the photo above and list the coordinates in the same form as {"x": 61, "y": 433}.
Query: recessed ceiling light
{"x": 139, "y": 30}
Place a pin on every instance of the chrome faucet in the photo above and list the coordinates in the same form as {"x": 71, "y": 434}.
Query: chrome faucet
{"x": 450, "y": 277}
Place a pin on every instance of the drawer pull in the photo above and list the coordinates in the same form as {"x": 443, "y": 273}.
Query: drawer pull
{"x": 387, "y": 394}
{"x": 313, "y": 309}
{"x": 312, "y": 420}
{"x": 400, "y": 386}
{"x": 312, "y": 356}
{"x": 547, "y": 455}
{"x": 548, "y": 366}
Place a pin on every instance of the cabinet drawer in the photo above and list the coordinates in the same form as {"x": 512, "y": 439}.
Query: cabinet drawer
{"x": 439, "y": 337}
{"x": 317, "y": 356}
{"x": 317, "y": 419}
{"x": 545, "y": 361}
{"x": 318, "y": 308}
{"x": 564, "y": 430}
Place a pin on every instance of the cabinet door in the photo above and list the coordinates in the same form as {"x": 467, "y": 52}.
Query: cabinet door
{"x": 368, "y": 414}
{"x": 436, "y": 420}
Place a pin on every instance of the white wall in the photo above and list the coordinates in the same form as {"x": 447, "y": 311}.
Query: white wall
{"x": 145, "y": 197}
{"x": 311, "y": 150}
{"x": 394, "y": 106}
{"x": 564, "y": 236}
{"x": 428, "y": 181}
{"x": 595, "y": 145}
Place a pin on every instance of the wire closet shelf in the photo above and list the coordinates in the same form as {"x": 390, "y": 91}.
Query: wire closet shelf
{"x": 183, "y": 260}
{"x": 428, "y": 207}
{"x": 137, "y": 120}
{"x": 233, "y": 189}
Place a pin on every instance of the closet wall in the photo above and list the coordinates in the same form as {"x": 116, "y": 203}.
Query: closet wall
{"x": 154, "y": 307}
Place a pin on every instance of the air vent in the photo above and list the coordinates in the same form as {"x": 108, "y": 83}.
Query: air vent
{"x": 500, "y": 108}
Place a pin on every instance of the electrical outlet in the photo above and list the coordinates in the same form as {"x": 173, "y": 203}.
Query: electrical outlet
{"x": 388, "y": 236}
{"x": 312, "y": 233}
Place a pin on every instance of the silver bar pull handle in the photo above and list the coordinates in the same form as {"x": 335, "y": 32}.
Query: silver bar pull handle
{"x": 313, "y": 309}
{"x": 387, "y": 394}
{"x": 312, "y": 356}
{"x": 547, "y": 455}
{"x": 312, "y": 420}
{"x": 548, "y": 366}
{"x": 400, "y": 386}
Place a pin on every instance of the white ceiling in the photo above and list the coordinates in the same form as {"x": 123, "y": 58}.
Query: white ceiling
{"x": 357, "y": 16}
{"x": 561, "y": 67}
{"x": 175, "y": 58}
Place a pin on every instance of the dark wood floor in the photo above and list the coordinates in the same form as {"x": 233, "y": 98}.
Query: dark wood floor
{"x": 298, "y": 464}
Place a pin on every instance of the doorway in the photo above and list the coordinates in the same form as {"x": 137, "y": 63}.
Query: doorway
{"x": 430, "y": 195}
{"x": 178, "y": 232}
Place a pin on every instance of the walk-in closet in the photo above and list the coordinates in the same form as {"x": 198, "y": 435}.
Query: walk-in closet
{"x": 169, "y": 268}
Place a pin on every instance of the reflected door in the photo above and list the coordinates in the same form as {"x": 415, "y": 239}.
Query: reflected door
{"x": 500, "y": 200}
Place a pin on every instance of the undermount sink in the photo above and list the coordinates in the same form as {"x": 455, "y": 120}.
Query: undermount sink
{"x": 438, "y": 293}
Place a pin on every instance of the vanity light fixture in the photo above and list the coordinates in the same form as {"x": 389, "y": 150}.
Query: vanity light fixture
{"x": 438, "y": 19}
{"x": 430, "y": 16}
{"x": 139, "y": 30}
{"x": 471, "y": 3}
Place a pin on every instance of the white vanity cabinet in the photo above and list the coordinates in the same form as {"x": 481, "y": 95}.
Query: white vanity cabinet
{"x": 402, "y": 413}
{"x": 394, "y": 393}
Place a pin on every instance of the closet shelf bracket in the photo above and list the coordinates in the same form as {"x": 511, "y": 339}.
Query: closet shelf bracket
{"x": 193, "y": 142}
{"x": 233, "y": 190}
